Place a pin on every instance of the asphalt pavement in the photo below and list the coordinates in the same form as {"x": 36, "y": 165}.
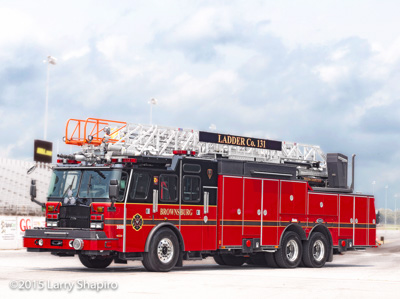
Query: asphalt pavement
{"x": 368, "y": 274}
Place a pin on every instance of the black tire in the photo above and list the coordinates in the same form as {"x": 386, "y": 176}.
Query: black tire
{"x": 218, "y": 259}
{"x": 163, "y": 251}
{"x": 257, "y": 259}
{"x": 316, "y": 250}
{"x": 95, "y": 262}
{"x": 270, "y": 259}
{"x": 291, "y": 251}
{"x": 231, "y": 260}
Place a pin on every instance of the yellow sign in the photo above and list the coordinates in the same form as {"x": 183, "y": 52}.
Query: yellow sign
{"x": 42, "y": 151}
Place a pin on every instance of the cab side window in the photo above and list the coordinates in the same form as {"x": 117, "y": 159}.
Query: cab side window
{"x": 122, "y": 185}
{"x": 168, "y": 188}
{"x": 191, "y": 188}
{"x": 139, "y": 187}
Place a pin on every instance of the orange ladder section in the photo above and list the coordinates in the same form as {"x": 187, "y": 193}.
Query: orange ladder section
{"x": 91, "y": 131}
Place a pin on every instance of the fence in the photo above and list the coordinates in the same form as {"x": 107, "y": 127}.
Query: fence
{"x": 15, "y": 184}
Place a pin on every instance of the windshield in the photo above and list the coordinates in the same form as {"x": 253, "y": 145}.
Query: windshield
{"x": 83, "y": 183}
{"x": 64, "y": 180}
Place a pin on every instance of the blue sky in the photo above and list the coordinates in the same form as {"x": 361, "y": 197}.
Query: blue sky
{"x": 316, "y": 72}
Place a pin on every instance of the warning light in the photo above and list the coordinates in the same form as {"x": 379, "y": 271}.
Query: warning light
{"x": 343, "y": 243}
{"x": 129, "y": 160}
{"x": 248, "y": 243}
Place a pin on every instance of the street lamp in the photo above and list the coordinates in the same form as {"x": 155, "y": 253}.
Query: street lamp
{"x": 152, "y": 103}
{"x": 386, "y": 187}
{"x": 53, "y": 61}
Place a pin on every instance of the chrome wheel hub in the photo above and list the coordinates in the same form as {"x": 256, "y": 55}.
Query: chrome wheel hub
{"x": 318, "y": 250}
{"x": 165, "y": 250}
{"x": 292, "y": 250}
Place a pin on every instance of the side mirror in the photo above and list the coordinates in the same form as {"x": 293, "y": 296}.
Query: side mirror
{"x": 33, "y": 194}
{"x": 33, "y": 189}
{"x": 114, "y": 189}
{"x": 114, "y": 193}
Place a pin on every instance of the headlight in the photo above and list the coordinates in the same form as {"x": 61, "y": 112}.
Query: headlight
{"x": 52, "y": 223}
{"x": 78, "y": 244}
{"x": 96, "y": 225}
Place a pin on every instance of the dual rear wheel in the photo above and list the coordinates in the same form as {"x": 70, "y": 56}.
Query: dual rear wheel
{"x": 312, "y": 253}
{"x": 293, "y": 253}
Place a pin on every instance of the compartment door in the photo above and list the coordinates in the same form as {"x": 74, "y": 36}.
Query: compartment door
{"x": 252, "y": 208}
{"x": 232, "y": 206}
{"x": 270, "y": 197}
{"x": 371, "y": 222}
{"x": 346, "y": 216}
{"x": 360, "y": 221}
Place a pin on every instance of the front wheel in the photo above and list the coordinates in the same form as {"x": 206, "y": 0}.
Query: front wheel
{"x": 290, "y": 253}
{"x": 315, "y": 252}
{"x": 163, "y": 252}
{"x": 98, "y": 262}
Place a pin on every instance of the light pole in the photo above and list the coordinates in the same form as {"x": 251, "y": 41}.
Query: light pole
{"x": 386, "y": 187}
{"x": 53, "y": 61}
{"x": 152, "y": 103}
{"x": 395, "y": 209}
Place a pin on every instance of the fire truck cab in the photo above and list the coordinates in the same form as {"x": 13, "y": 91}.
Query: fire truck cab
{"x": 167, "y": 207}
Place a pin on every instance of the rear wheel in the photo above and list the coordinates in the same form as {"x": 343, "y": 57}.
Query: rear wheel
{"x": 257, "y": 259}
{"x": 270, "y": 259}
{"x": 290, "y": 253}
{"x": 231, "y": 260}
{"x": 95, "y": 261}
{"x": 316, "y": 251}
{"x": 218, "y": 259}
{"x": 163, "y": 251}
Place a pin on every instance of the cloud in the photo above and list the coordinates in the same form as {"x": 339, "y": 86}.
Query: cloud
{"x": 249, "y": 69}
{"x": 78, "y": 53}
{"x": 199, "y": 34}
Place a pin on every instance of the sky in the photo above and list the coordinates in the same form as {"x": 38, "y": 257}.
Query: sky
{"x": 314, "y": 72}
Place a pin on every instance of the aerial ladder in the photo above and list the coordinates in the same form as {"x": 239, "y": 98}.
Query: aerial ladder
{"x": 101, "y": 140}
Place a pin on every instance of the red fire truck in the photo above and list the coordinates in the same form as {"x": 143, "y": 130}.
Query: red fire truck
{"x": 164, "y": 195}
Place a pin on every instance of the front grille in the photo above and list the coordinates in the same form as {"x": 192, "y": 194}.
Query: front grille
{"x": 75, "y": 216}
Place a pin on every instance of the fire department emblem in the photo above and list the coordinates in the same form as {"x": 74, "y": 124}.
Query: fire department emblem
{"x": 209, "y": 173}
{"x": 137, "y": 222}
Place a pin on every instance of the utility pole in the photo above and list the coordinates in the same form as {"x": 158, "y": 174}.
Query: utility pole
{"x": 53, "y": 61}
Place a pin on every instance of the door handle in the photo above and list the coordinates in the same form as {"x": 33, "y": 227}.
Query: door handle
{"x": 155, "y": 201}
{"x": 206, "y": 201}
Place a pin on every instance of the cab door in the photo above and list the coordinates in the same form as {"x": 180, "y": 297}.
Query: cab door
{"x": 191, "y": 206}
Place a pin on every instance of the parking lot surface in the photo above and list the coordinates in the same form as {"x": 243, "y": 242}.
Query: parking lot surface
{"x": 368, "y": 274}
